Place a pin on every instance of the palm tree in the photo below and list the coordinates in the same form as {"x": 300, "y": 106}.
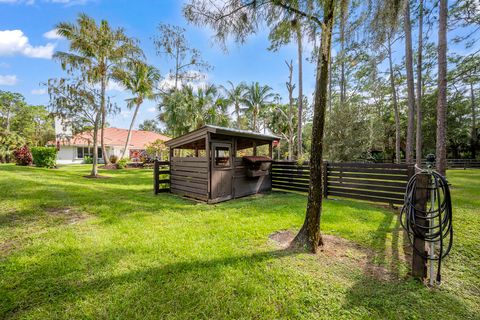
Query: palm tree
{"x": 234, "y": 97}
{"x": 95, "y": 50}
{"x": 256, "y": 97}
{"x": 140, "y": 79}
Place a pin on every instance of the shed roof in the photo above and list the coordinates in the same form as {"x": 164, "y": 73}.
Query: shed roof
{"x": 200, "y": 133}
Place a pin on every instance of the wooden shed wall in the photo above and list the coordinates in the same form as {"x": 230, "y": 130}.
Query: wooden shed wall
{"x": 189, "y": 177}
{"x": 244, "y": 186}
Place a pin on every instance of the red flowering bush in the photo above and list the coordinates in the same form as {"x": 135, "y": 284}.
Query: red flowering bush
{"x": 23, "y": 156}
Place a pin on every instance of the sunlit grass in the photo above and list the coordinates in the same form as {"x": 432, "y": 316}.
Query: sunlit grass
{"x": 72, "y": 247}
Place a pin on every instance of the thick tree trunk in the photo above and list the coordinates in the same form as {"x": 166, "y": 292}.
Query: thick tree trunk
{"x": 418, "y": 145}
{"x": 442, "y": 89}
{"x": 473, "y": 134}
{"x": 300, "y": 91}
{"x": 129, "y": 134}
{"x": 410, "y": 83}
{"x": 94, "y": 171}
{"x": 395, "y": 104}
{"x": 330, "y": 85}
{"x": 104, "y": 119}
{"x": 309, "y": 235}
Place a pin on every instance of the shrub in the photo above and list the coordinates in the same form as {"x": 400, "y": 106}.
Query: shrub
{"x": 87, "y": 160}
{"x": 23, "y": 156}
{"x": 44, "y": 156}
{"x": 113, "y": 158}
{"x": 122, "y": 163}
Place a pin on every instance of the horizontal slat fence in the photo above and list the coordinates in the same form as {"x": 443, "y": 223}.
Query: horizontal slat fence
{"x": 161, "y": 176}
{"x": 375, "y": 182}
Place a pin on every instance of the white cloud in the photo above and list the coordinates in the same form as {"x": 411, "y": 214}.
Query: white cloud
{"x": 115, "y": 86}
{"x": 8, "y": 80}
{"x": 199, "y": 80}
{"x": 152, "y": 109}
{"x": 125, "y": 114}
{"x": 4, "y": 64}
{"x": 52, "y": 34}
{"x": 14, "y": 42}
{"x": 39, "y": 91}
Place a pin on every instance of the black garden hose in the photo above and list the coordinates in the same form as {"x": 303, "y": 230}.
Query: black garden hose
{"x": 438, "y": 217}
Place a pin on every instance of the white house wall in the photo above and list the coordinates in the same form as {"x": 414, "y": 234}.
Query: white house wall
{"x": 68, "y": 155}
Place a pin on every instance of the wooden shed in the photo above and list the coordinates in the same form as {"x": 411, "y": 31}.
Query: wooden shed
{"x": 215, "y": 164}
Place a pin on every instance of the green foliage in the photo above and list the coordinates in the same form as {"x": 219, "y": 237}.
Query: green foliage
{"x": 188, "y": 109}
{"x": 9, "y": 141}
{"x": 157, "y": 149}
{"x": 150, "y": 125}
{"x": 87, "y": 160}
{"x": 44, "y": 156}
{"x": 122, "y": 163}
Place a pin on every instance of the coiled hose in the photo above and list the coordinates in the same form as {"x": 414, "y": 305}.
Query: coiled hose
{"x": 433, "y": 225}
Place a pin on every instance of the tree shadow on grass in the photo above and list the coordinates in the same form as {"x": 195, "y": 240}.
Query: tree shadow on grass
{"x": 186, "y": 289}
{"x": 398, "y": 296}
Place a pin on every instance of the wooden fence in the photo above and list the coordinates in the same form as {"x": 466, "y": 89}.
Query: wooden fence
{"x": 375, "y": 182}
{"x": 161, "y": 176}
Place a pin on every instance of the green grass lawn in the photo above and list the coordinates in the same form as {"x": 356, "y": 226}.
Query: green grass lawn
{"x": 72, "y": 247}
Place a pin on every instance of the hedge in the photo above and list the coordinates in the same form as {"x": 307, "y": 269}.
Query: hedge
{"x": 44, "y": 156}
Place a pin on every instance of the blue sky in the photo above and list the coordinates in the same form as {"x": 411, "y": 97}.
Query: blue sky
{"x": 25, "y": 65}
{"x": 26, "y": 47}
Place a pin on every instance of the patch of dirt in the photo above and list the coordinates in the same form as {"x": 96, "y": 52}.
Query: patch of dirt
{"x": 96, "y": 177}
{"x": 7, "y": 246}
{"x": 112, "y": 166}
{"x": 282, "y": 238}
{"x": 68, "y": 215}
{"x": 339, "y": 250}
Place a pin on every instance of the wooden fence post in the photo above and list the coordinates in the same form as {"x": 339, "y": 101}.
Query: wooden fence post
{"x": 419, "y": 262}
{"x": 156, "y": 176}
{"x": 325, "y": 179}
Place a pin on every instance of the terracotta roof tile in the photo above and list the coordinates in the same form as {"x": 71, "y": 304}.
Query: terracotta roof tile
{"x": 116, "y": 137}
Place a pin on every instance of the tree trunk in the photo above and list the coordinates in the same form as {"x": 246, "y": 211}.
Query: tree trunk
{"x": 395, "y": 104}
{"x": 473, "y": 144}
{"x": 104, "y": 119}
{"x": 8, "y": 118}
{"x": 410, "y": 84}
{"x": 237, "y": 110}
{"x": 418, "y": 147}
{"x": 343, "y": 22}
{"x": 309, "y": 235}
{"x": 129, "y": 134}
{"x": 300, "y": 91}
{"x": 330, "y": 85}
{"x": 94, "y": 171}
{"x": 290, "y": 88}
{"x": 442, "y": 89}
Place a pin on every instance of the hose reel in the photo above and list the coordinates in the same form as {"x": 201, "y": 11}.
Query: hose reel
{"x": 427, "y": 218}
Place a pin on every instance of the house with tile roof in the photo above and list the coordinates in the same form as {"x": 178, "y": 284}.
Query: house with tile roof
{"x": 75, "y": 148}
